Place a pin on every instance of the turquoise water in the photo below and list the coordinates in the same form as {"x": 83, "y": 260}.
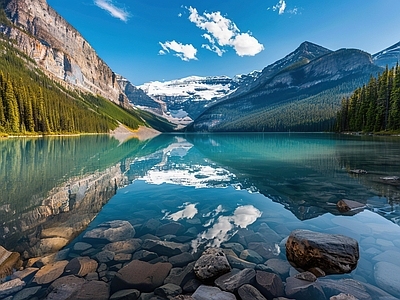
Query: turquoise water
{"x": 219, "y": 184}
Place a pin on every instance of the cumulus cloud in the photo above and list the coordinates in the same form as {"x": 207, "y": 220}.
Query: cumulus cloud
{"x": 222, "y": 32}
{"x": 185, "y": 52}
{"x": 113, "y": 10}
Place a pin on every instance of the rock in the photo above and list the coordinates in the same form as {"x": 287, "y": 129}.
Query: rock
{"x": 333, "y": 253}
{"x": 384, "y": 277}
{"x": 236, "y": 247}
{"x": 180, "y": 276}
{"x": 191, "y": 285}
{"x": 81, "y": 266}
{"x": 25, "y": 274}
{"x": 174, "y": 228}
{"x": 58, "y": 256}
{"x": 129, "y": 246}
{"x": 205, "y": 292}
{"x": 251, "y": 256}
{"x": 65, "y": 288}
{"x": 50, "y": 272}
{"x": 11, "y": 287}
{"x": 317, "y": 272}
{"x": 249, "y": 292}
{"x": 303, "y": 290}
{"x": 358, "y": 171}
{"x": 345, "y": 205}
{"x": 144, "y": 255}
{"x": 49, "y": 245}
{"x": 92, "y": 276}
{"x": 181, "y": 239}
{"x": 211, "y": 264}
{"x": 266, "y": 250}
{"x": 307, "y": 276}
{"x": 130, "y": 294}
{"x": 111, "y": 231}
{"x": 168, "y": 290}
{"x": 241, "y": 264}
{"x": 165, "y": 248}
{"x": 233, "y": 280}
{"x": 140, "y": 275}
{"x": 123, "y": 257}
{"x": 389, "y": 256}
{"x": 346, "y": 286}
{"x": 269, "y": 284}
{"x": 150, "y": 226}
{"x": 26, "y": 293}
{"x": 181, "y": 260}
{"x": 278, "y": 266}
{"x": 90, "y": 290}
{"x": 8, "y": 262}
{"x": 81, "y": 246}
{"x": 342, "y": 296}
{"x": 104, "y": 256}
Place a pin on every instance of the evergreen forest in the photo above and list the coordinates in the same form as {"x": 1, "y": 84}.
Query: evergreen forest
{"x": 375, "y": 107}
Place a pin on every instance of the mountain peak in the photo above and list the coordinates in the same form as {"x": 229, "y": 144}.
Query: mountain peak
{"x": 388, "y": 57}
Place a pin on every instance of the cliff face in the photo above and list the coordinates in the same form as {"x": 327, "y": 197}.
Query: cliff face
{"x": 60, "y": 49}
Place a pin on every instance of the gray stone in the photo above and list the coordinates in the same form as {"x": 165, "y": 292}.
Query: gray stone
{"x": 333, "y": 253}
{"x": 266, "y": 250}
{"x": 278, "y": 266}
{"x": 90, "y": 290}
{"x": 111, "y": 231}
{"x": 168, "y": 290}
{"x": 130, "y": 294}
{"x": 251, "y": 256}
{"x": 181, "y": 239}
{"x": 50, "y": 272}
{"x": 26, "y": 293}
{"x": 92, "y": 276}
{"x": 65, "y": 288}
{"x": 389, "y": 256}
{"x": 233, "y": 280}
{"x": 81, "y": 246}
{"x": 181, "y": 260}
{"x": 25, "y": 274}
{"x": 140, "y": 275}
{"x": 128, "y": 246}
{"x": 205, "y": 292}
{"x": 236, "y": 247}
{"x": 104, "y": 256}
{"x": 307, "y": 276}
{"x": 81, "y": 266}
{"x": 10, "y": 287}
{"x": 384, "y": 277}
{"x": 303, "y": 290}
{"x": 150, "y": 226}
{"x": 123, "y": 257}
{"x": 180, "y": 276}
{"x": 211, "y": 264}
{"x": 342, "y": 296}
{"x": 174, "y": 228}
{"x": 191, "y": 285}
{"x": 165, "y": 248}
{"x": 269, "y": 284}
{"x": 144, "y": 255}
{"x": 239, "y": 263}
{"x": 346, "y": 286}
{"x": 249, "y": 292}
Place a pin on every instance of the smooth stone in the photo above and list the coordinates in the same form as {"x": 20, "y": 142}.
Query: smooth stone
{"x": 81, "y": 246}
{"x": 347, "y": 286}
{"x": 251, "y": 256}
{"x": 57, "y": 256}
{"x": 211, "y": 264}
{"x": 128, "y": 247}
{"x": 269, "y": 284}
{"x": 389, "y": 256}
{"x": 278, "y": 266}
{"x": 90, "y": 290}
{"x": 191, "y": 285}
{"x": 168, "y": 290}
{"x": 181, "y": 239}
{"x": 333, "y": 253}
{"x": 386, "y": 277}
{"x": 140, "y": 275}
{"x": 241, "y": 264}
{"x": 25, "y": 273}
{"x": 384, "y": 243}
{"x": 81, "y": 266}
{"x": 180, "y": 276}
{"x": 343, "y": 296}
{"x": 26, "y": 293}
{"x": 233, "y": 280}
{"x": 129, "y": 294}
{"x": 111, "y": 231}
{"x": 165, "y": 248}
{"x": 92, "y": 276}
{"x": 230, "y": 252}
{"x": 303, "y": 290}
{"x": 11, "y": 287}
{"x": 150, "y": 226}
{"x": 50, "y": 272}
{"x": 49, "y": 245}
{"x": 181, "y": 260}
{"x": 144, "y": 255}
{"x": 123, "y": 257}
{"x": 205, "y": 292}
{"x": 249, "y": 292}
{"x": 346, "y": 205}
{"x": 174, "y": 228}
{"x": 65, "y": 288}
{"x": 236, "y": 247}
{"x": 104, "y": 256}
{"x": 266, "y": 250}
{"x": 307, "y": 276}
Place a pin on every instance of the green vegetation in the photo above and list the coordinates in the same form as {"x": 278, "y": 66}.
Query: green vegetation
{"x": 375, "y": 107}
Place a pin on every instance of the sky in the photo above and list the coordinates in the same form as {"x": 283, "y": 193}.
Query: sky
{"x": 158, "y": 40}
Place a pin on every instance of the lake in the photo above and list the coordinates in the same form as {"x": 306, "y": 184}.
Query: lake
{"x": 55, "y": 189}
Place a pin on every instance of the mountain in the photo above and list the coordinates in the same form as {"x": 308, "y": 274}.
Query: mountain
{"x": 184, "y": 99}
{"x": 301, "y": 92}
{"x": 388, "y": 57}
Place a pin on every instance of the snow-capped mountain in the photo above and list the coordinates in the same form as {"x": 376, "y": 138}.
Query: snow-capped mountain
{"x": 388, "y": 57}
{"x": 187, "y": 97}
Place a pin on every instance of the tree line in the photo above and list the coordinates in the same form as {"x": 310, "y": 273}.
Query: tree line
{"x": 374, "y": 107}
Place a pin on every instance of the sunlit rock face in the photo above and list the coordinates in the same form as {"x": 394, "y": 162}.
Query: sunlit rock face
{"x": 59, "y": 49}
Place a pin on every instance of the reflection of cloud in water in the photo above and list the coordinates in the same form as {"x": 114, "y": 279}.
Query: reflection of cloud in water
{"x": 226, "y": 226}
{"x": 188, "y": 212}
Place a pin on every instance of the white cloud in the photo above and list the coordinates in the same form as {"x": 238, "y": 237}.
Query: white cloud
{"x": 113, "y": 10}
{"x": 223, "y": 32}
{"x": 184, "y": 52}
{"x": 281, "y": 7}
{"x": 162, "y": 52}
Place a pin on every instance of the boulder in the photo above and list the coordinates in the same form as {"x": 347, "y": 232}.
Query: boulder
{"x": 128, "y": 246}
{"x": 269, "y": 284}
{"x": 303, "y": 290}
{"x": 50, "y": 272}
{"x": 180, "y": 276}
{"x": 249, "y": 292}
{"x": 168, "y": 290}
{"x": 383, "y": 274}
{"x": 233, "y": 280}
{"x": 165, "y": 248}
{"x": 181, "y": 260}
{"x": 140, "y": 275}
{"x": 205, "y": 292}
{"x": 333, "y": 253}
{"x": 8, "y": 262}
{"x": 174, "y": 228}
{"x": 81, "y": 266}
{"x": 130, "y": 294}
{"x": 345, "y": 205}
{"x": 278, "y": 266}
{"x": 211, "y": 264}
{"x": 90, "y": 290}
{"x": 11, "y": 287}
{"x": 111, "y": 231}
{"x": 65, "y": 288}
{"x": 251, "y": 256}
{"x": 239, "y": 263}
{"x": 344, "y": 286}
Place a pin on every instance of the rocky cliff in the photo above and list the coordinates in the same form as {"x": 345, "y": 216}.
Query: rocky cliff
{"x": 59, "y": 49}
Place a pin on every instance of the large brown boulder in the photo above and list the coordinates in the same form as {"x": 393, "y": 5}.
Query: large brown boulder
{"x": 333, "y": 253}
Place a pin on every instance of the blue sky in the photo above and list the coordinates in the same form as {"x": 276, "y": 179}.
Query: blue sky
{"x": 169, "y": 39}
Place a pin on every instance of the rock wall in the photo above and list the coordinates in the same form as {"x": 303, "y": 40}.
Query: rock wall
{"x": 59, "y": 49}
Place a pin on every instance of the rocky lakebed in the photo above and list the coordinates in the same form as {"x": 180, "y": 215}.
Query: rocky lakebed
{"x": 159, "y": 259}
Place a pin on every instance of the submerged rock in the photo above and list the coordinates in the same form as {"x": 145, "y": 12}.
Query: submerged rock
{"x": 345, "y": 205}
{"x": 232, "y": 281}
{"x": 205, "y": 292}
{"x": 333, "y": 253}
{"x": 211, "y": 264}
{"x": 384, "y": 274}
{"x": 11, "y": 287}
{"x": 111, "y": 231}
